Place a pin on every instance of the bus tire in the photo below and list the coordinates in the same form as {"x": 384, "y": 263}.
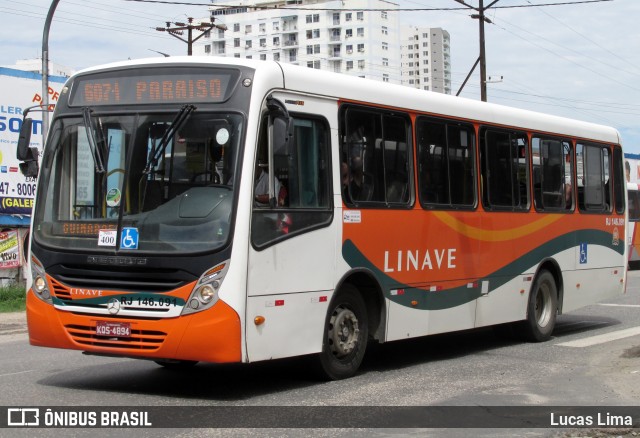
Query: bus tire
{"x": 345, "y": 335}
{"x": 177, "y": 365}
{"x": 541, "y": 309}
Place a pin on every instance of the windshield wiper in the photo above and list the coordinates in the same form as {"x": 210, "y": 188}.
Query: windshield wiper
{"x": 88, "y": 126}
{"x": 178, "y": 121}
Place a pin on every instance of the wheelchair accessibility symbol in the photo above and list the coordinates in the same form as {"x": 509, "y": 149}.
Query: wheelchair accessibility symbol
{"x": 129, "y": 238}
{"x": 583, "y": 253}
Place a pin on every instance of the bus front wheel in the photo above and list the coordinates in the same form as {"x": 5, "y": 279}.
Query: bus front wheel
{"x": 542, "y": 309}
{"x": 345, "y": 335}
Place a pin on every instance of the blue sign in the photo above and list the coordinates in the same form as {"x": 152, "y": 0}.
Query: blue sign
{"x": 583, "y": 253}
{"x": 129, "y": 238}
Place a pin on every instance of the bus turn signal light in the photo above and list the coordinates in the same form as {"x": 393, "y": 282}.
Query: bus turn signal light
{"x": 259, "y": 320}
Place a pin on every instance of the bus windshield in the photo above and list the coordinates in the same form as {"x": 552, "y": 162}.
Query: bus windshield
{"x": 147, "y": 182}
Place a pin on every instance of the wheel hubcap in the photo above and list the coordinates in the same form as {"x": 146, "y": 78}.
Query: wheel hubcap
{"x": 343, "y": 331}
{"x": 543, "y": 305}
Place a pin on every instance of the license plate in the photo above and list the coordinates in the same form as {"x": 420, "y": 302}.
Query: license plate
{"x": 113, "y": 329}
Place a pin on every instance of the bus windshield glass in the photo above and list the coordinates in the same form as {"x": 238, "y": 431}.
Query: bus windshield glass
{"x": 164, "y": 180}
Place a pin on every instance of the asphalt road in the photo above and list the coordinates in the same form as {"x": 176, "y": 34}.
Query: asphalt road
{"x": 473, "y": 368}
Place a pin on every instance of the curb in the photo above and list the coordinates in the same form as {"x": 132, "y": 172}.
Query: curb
{"x": 13, "y": 323}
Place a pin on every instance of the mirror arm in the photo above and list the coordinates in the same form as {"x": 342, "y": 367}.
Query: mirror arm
{"x": 271, "y": 176}
{"x": 277, "y": 110}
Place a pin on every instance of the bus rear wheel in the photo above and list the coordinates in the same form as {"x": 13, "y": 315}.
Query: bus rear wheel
{"x": 345, "y": 335}
{"x": 542, "y": 309}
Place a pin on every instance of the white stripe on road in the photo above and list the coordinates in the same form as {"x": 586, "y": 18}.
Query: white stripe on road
{"x": 19, "y": 372}
{"x": 601, "y": 339}
{"x": 620, "y": 305}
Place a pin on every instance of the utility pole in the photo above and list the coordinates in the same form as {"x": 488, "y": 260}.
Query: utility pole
{"x": 45, "y": 69}
{"x": 179, "y": 29}
{"x": 482, "y": 60}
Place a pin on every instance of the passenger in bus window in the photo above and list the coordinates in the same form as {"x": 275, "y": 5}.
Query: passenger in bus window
{"x": 262, "y": 187}
{"x": 356, "y": 184}
{"x": 357, "y": 135}
{"x": 568, "y": 194}
{"x": 261, "y": 191}
{"x": 344, "y": 180}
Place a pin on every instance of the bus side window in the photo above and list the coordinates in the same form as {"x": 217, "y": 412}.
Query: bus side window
{"x": 504, "y": 159}
{"x": 446, "y": 163}
{"x": 376, "y": 156}
{"x": 594, "y": 174}
{"x": 361, "y": 152}
{"x": 618, "y": 180}
{"x": 552, "y": 171}
{"x": 302, "y": 180}
{"x": 396, "y": 159}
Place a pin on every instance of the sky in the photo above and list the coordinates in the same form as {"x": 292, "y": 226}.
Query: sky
{"x": 578, "y": 60}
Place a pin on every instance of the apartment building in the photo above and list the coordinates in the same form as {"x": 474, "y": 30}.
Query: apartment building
{"x": 426, "y": 58}
{"x": 355, "y": 37}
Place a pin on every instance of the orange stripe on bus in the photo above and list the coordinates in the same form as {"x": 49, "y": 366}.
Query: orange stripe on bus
{"x": 493, "y": 235}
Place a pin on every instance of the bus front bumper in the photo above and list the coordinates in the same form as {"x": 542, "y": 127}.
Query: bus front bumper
{"x": 209, "y": 336}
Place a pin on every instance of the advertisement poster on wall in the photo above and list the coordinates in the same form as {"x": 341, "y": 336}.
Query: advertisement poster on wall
{"x": 10, "y": 253}
{"x": 20, "y": 90}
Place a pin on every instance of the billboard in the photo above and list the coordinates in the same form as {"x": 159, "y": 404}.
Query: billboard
{"x": 19, "y": 90}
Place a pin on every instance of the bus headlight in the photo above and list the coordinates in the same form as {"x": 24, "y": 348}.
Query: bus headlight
{"x": 205, "y": 292}
{"x": 39, "y": 284}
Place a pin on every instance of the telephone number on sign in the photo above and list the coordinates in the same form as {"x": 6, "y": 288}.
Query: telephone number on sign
{"x": 20, "y": 189}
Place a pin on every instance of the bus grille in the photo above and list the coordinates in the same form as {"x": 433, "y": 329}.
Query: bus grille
{"x": 120, "y": 278}
{"x": 143, "y": 340}
{"x": 60, "y": 290}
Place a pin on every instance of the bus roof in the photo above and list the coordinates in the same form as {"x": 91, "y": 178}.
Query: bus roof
{"x": 354, "y": 88}
{"x": 340, "y": 86}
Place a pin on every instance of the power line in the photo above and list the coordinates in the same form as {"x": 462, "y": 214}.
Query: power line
{"x": 80, "y": 22}
{"x": 599, "y": 104}
{"x": 597, "y": 113}
{"x": 66, "y": 20}
{"x": 625, "y": 84}
{"x": 569, "y": 49}
{"x": 625, "y": 60}
{"x": 592, "y": 114}
{"x": 69, "y": 14}
{"x": 288, "y": 7}
{"x": 144, "y": 15}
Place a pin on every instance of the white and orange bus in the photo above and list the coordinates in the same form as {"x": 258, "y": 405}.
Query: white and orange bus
{"x": 224, "y": 210}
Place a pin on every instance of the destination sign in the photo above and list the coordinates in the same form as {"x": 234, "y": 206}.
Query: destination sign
{"x": 154, "y": 85}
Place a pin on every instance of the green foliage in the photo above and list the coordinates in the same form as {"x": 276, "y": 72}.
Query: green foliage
{"x": 12, "y": 299}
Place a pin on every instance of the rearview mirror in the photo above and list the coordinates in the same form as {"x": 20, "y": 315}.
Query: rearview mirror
{"x": 25, "y": 153}
{"x": 282, "y": 134}
{"x": 29, "y": 168}
{"x": 22, "y": 152}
